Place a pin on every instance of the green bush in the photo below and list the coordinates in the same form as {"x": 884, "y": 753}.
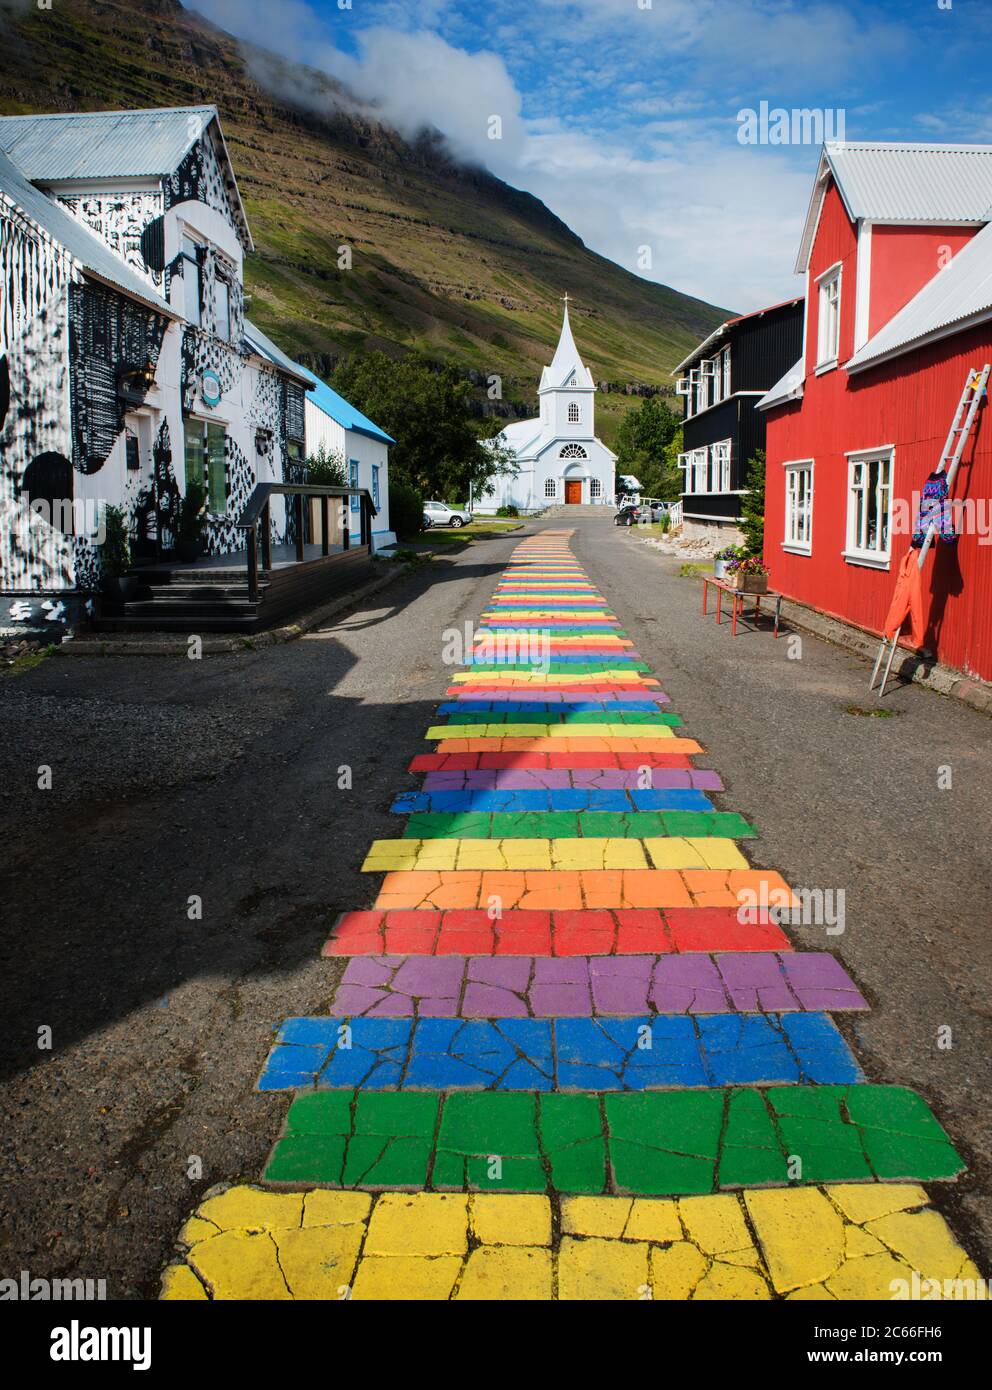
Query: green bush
{"x": 326, "y": 469}
{"x": 406, "y": 508}
{"x": 752, "y": 521}
{"x": 115, "y": 553}
{"x": 192, "y": 514}
{"x": 508, "y": 511}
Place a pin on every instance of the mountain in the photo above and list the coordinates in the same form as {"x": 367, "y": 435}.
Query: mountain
{"x": 447, "y": 259}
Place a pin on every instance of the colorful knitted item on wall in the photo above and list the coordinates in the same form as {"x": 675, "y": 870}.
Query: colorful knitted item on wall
{"x": 935, "y": 510}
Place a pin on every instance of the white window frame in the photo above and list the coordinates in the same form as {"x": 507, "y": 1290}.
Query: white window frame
{"x": 550, "y": 487}
{"x": 222, "y": 292}
{"x": 693, "y": 391}
{"x": 595, "y": 488}
{"x": 699, "y": 468}
{"x": 574, "y": 413}
{"x": 859, "y": 463}
{"x": 720, "y": 469}
{"x": 190, "y": 251}
{"x": 725, "y": 373}
{"x": 798, "y": 538}
{"x": 828, "y": 297}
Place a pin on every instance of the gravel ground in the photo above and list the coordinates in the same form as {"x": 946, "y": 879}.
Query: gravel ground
{"x": 220, "y": 780}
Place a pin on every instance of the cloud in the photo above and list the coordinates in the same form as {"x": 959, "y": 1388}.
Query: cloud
{"x": 621, "y": 118}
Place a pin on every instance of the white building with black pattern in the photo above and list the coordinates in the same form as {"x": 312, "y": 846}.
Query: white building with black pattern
{"x": 559, "y": 458}
{"x": 126, "y": 367}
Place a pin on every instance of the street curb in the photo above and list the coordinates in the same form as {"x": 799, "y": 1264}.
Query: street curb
{"x": 241, "y": 642}
{"x": 906, "y": 666}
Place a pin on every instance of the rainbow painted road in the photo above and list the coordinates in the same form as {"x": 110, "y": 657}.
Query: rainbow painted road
{"x": 571, "y": 1054}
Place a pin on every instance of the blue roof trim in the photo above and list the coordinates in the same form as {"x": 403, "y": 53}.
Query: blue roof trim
{"x": 333, "y": 405}
{"x": 343, "y": 411}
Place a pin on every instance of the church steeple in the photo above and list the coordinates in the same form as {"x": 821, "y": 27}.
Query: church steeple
{"x": 567, "y": 389}
{"x": 566, "y": 360}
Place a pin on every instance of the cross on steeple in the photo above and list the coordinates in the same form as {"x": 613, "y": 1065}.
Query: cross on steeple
{"x": 565, "y": 299}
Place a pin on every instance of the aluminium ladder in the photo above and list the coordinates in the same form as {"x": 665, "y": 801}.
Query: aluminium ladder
{"x": 957, "y": 437}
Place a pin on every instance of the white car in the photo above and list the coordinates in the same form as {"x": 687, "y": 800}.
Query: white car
{"x": 441, "y": 514}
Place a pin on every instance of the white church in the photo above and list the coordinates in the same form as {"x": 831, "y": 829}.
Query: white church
{"x": 558, "y": 455}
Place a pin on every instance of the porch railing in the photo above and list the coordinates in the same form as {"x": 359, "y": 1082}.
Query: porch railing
{"x": 257, "y": 514}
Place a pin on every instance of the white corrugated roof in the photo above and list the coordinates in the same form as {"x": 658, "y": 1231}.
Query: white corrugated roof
{"x": 958, "y": 295}
{"x": 886, "y": 181}
{"x": 103, "y": 144}
{"x": 521, "y": 434}
{"x": 912, "y": 182}
{"x": 90, "y": 251}
{"x": 789, "y": 387}
{"x": 67, "y": 146}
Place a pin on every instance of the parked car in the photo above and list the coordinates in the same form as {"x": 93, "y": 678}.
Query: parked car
{"x": 428, "y": 523}
{"x": 628, "y": 515}
{"x": 658, "y": 510}
{"x": 443, "y": 515}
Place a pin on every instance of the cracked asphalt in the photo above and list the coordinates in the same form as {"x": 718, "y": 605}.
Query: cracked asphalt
{"x": 226, "y": 781}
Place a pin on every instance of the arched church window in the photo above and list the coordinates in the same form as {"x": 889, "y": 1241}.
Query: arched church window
{"x": 550, "y": 487}
{"x": 595, "y": 487}
{"x": 573, "y": 451}
{"x": 573, "y": 412}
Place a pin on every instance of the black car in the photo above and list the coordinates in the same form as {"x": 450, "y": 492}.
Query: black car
{"x": 627, "y": 515}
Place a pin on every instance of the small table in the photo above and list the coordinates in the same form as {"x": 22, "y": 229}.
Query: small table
{"x": 737, "y": 601}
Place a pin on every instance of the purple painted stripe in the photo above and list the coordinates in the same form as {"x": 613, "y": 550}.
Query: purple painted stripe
{"x": 556, "y": 779}
{"x": 583, "y": 986}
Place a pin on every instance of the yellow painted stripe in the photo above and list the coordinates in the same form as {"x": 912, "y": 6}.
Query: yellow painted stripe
{"x": 669, "y": 852}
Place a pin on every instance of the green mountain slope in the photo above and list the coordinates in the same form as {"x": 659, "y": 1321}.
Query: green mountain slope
{"x": 446, "y": 259}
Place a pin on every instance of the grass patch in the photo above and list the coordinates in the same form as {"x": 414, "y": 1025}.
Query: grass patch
{"x": 474, "y": 531}
{"x": 860, "y": 712}
{"x": 692, "y": 569}
{"x": 27, "y": 661}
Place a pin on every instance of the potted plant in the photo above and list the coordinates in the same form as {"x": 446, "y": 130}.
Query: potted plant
{"x": 192, "y": 518}
{"x": 749, "y": 575}
{"x": 115, "y": 557}
{"x": 723, "y": 557}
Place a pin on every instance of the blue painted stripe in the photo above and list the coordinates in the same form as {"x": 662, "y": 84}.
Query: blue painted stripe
{"x": 555, "y": 799}
{"x": 587, "y": 1054}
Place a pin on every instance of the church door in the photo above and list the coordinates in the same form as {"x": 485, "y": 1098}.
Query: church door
{"x": 573, "y": 489}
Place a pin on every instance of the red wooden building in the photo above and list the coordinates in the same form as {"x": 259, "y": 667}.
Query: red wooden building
{"x": 897, "y": 255}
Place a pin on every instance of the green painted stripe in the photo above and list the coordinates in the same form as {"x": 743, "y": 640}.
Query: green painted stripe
{"x": 564, "y": 716}
{"x": 565, "y": 825}
{"x": 664, "y": 1143}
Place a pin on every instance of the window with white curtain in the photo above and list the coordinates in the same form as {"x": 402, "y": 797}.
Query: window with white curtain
{"x": 799, "y": 506}
{"x": 869, "y": 507}
{"x": 720, "y": 471}
{"x": 725, "y": 371}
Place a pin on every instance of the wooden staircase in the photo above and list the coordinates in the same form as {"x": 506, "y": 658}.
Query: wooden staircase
{"x": 216, "y": 598}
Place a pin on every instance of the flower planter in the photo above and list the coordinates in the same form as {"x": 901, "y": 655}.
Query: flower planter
{"x": 750, "y": 583}
{"x": 720, "y": 569}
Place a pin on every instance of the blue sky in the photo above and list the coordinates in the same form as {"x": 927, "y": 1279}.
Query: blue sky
{"x": 621, "y": 115}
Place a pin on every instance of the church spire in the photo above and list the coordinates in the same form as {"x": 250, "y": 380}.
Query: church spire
{"x": 566, "y": 359}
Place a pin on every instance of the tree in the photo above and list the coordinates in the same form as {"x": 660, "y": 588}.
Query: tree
{"x": 753, "y": 505}
{"x": 327, "y": 468}
{"x": 428, "y": 414}
{"x": 643, "y": 448}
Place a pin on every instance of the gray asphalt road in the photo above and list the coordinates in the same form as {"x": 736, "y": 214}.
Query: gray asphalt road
{"x": 220, "y": 780}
